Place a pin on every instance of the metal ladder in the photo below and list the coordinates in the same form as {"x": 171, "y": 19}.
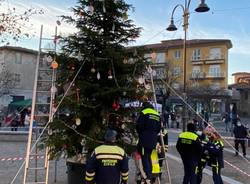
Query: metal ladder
{"x": 37, "y": 161}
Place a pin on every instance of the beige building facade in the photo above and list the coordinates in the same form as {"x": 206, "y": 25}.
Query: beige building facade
{"x": 206, "y": 69}
{"x": 19, "y": 65}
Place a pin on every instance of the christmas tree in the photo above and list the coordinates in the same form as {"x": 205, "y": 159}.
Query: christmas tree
{"x": 101, "y": 73}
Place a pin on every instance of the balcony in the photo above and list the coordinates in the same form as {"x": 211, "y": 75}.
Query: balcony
{"x": 217, "y": 75}
{"x": 203, "y": 75}
{"x": 197, "y": 76}
{"x": 208, "y": 60}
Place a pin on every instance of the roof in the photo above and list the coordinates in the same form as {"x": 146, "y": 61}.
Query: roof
{"x": 240, "y": 86}
{"x": 240, "y": 73}
{"x": 22, "y": 103}
{"x": 176, "y": 43}
{"x": 21, "y": 49}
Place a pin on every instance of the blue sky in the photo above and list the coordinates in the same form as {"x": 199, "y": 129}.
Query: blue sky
{"x": 227, "y": 19}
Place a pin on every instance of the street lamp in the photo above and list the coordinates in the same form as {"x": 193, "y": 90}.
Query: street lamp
{"x": 185, "y": 8}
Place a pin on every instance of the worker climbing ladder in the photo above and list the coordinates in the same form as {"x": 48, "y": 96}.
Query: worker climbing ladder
{"x": 42, "y": 111}
{"x": 141, "y": 176}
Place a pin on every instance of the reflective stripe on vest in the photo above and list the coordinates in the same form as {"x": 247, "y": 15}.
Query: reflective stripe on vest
{"x": 188, "y": 135}
{"x": 150, "y": 111}
{"x": 155, "y": 162}
{"x": 109, "y": 149}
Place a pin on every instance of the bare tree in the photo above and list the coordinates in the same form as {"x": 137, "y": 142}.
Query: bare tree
{"x": 13, "y": 22}
{"x": 6, "y": 80}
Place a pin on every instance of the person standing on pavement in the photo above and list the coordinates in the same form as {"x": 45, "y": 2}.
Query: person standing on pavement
{"x": 240, "y": 134}
{"x": 215, "y": 150}
{"x": 108, "y": 163}
{"x": 148, "y": 127}
{"x": 190, "y": 149}
{"x": 226, "y": 120}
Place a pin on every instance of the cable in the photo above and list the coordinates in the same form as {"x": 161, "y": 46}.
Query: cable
{"x": 46, "y": 125}
{"x": 191, "y": 108}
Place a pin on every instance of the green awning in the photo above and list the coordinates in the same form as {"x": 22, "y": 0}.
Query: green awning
{"x": 22, "y": 103}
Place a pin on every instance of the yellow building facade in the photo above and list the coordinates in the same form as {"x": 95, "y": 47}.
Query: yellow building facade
{"x": 206, "y": 64}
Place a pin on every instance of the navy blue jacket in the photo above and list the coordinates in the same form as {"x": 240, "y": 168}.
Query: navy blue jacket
{"x": 215, "y": 150}
{"x": 148, "y": 126}
{"x": 189, "y": 146}
{"x": 108, "y": 164}
{"x": 240, "y": 131}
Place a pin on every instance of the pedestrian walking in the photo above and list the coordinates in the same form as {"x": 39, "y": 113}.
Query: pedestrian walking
{"x": 166, "y": 115}
{"x": 190, "y": 150}
{"x": 240, "y": 134}
{"x": 173, "y": 119}
{"x": 226, "y": 120}
{"x": 148, "y": 126}
{"x": 108, "y": 163}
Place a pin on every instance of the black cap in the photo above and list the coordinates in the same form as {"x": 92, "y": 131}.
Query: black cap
{"x": 110, "y": 135}
{"x": 147, "y": 105}
{"x": 191, "y": 127}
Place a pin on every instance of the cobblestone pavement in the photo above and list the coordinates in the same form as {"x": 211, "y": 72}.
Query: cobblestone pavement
{"x": 8, "y": 169}
{"x": 16, "y": 151}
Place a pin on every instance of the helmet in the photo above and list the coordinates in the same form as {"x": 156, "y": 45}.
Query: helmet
{"x": 110, "y": 135}
{"x": 147, "y": 105}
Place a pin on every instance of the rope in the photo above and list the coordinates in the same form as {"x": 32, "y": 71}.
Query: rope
{"x": 191, "y": 108}
{"x": 46, "y": 125}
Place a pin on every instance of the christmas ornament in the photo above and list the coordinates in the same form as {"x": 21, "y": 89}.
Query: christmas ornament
{"x": 125, "y": 16}
{"x": 58, "y": 22}
{"x": 115, "y": 106}
{"x": 93, "y": 69}
{"x": 135, "y": 53}
{"x": 83, "y": 142}
{"x": 124, "y": 93}
{"x": 49, "y": 59}
{"x": 149, "y": 69}
{"x": 50, "y": 132}
{"x": 79, "y": 56}
{"x": 78, "y": 121}
{"x": 91, "y": 10}
{"x": 81, "y": 13}
{"x": 98, "y": 76}
{"x": 54, "y": 65}
{"x": 103, "y": 7}
{"x": 113, "y": 28}
{"x": 125, "y": 61}
{"x": 147, "y": 86}
{"x": 74, "y": 126}
{"x": 53, "y": 89}
{"x": 153, "y": 72}
{"x": 110, "y": 74}
{"x": 153, "y": 56}
{"x": 77, "y": 94}
{"x": 141, "y": 80}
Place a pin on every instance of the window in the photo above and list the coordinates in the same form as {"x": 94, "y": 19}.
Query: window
{"x": 214, "y": 71}
{"x": 215, "y": 53}
{"x": 196, "y": 71}
{"x": 18, "y": 59}
{"x": 160, "y": 58}
{"x": 17, "y": 78}
{"x": 177, "y": 54}
{"x": 176, "y": 71}
{"x": 196, "y": 54}
{"x": 215, "y": 86}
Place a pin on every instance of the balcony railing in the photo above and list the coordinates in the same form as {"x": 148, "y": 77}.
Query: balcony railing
{"x": 208, "y": 60}
{"x": 216, "y": 75}
{"x": 203, "y": 75}
{"x": 200, "y": 75}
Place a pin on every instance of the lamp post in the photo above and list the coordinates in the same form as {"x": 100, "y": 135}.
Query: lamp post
{"x": 185, "y": 8}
